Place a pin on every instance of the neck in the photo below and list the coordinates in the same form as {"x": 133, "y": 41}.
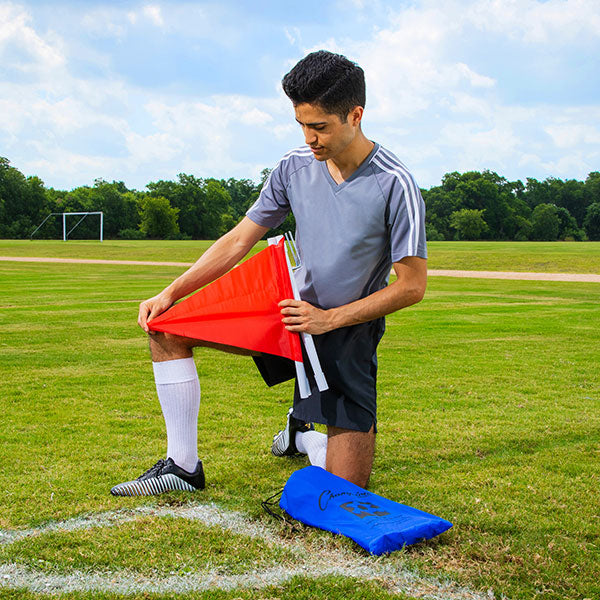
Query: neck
{"x": 352, "y": 157}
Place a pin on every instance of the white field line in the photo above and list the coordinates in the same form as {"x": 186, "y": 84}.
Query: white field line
{"x": 308, "y": 562}
{"x": 209, "y": 514}
{"x": 123, "y": 582}
{"x": 575, "y": 277}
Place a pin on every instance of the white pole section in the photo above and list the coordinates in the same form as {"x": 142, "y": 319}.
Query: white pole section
{"x": 101, "y": 225}
{"x": 64, "y": 227}
{"x": 309, "y": 344}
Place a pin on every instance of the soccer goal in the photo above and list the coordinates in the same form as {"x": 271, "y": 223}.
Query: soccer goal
{"x": 66, "y": 233}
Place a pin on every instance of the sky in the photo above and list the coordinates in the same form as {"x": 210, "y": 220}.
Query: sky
{"x": 142, "y": 91}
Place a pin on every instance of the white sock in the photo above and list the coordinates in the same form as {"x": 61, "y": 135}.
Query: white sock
{"x": 314, "y": 444}
{"x": 178, "y": 391}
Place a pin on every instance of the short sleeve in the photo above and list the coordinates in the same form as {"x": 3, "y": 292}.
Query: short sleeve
{"x": 272, "y": 205}
{"x": 406, "y": 219}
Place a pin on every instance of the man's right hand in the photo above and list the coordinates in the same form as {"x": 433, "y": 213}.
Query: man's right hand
{"x": 152, "y": 308}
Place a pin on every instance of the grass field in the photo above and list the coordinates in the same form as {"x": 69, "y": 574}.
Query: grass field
{"x": 488, "y": 416}
{"x": 549, "y": 257}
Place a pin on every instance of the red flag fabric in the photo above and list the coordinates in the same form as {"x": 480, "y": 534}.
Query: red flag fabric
{"x": 240, "y": 308}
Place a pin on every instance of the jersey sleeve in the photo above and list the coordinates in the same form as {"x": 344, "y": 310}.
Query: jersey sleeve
{"x": 272, "y": 205}
{"x": 406, "y": 219}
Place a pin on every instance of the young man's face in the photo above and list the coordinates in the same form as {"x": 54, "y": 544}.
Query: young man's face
{"x": 325, "y": 133}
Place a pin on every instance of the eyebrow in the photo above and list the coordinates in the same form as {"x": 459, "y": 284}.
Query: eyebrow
{"x": 312, "y": 124}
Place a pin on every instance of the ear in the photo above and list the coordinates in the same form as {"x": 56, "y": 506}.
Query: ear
{"x": 355, "y": 116}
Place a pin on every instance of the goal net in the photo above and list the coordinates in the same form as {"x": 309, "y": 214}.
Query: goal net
{"x": 67, "y": 233}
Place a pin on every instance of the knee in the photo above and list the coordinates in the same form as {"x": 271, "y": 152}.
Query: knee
{"x": 166, "y": 346}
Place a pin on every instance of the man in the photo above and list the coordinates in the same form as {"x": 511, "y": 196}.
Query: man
{"x": 358, "y": 213}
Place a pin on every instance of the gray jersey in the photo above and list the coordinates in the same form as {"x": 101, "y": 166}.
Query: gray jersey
{"x": 348, "y": 234}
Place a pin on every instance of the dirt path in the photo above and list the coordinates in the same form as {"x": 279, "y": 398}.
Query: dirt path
{"x": 577, "y": 277}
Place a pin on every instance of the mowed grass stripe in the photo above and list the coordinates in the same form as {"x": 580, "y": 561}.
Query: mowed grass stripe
{"x": 543, "y": 257}
{"x": 488, "y": 417}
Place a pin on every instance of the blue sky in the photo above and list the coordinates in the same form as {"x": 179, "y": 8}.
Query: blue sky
{"x": 141, "y": 91}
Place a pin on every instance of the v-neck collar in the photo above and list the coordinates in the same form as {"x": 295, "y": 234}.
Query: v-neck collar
{"x": 336, "y": 187}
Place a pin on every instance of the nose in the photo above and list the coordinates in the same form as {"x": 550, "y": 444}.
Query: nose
{"x": 310, "y": 136}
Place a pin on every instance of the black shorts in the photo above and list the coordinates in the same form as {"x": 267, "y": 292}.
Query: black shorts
{"x": 348, "y": 358}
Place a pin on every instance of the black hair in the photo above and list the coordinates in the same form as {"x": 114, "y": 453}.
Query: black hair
{"x": 330, "y": 80}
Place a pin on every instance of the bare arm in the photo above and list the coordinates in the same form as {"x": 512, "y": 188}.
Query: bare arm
{"x": 408, "y": 289}
{"x": 225, "y": 253}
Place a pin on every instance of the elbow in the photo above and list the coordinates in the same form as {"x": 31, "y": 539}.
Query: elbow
{"x": 415, "y": 293}
{"x": 411, "y": 274}
{"x": 418, "y": 293}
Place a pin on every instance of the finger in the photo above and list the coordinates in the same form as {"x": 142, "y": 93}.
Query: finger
{"x": 296, "y": 328}
{"x": 292, "y": 320}
{"x": 290, "y": 302}
{"x": 145, "y": 315}
{"x": 142, "y": 316}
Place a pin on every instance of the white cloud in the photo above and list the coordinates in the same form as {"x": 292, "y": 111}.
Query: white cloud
{"x": 537, "y": 22}
{"x": 431, "y": 99}
{"x": 104, "y": 23}
{"x": 154, "y": 14}
{"x": 35, "y": 54}
{"x": 293, "y": 35}
{"x": 474, "y": 79}
{"x": 573, "y": 135}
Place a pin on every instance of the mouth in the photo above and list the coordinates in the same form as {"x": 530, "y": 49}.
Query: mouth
{"x": 316, "y": 149}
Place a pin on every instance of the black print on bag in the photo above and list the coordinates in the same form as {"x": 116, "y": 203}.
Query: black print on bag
{"x": 363, "y": 509}
{"x": 328, "y": 495}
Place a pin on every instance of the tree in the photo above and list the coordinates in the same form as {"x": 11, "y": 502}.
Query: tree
{"x": 524, "y": 229}
{"x": 216, "y": 205}
{"x": 592, "y": 188}
{"x": 432, "y": 234}
{"x": 469, "y": 223}
{"x": 501, "y": 200}
{"x": 592, "y": 221}
{"x": 537, "y": 192}
{"x": 158, "y": 217}
{"x": 202, "y": 204}
{"x": 568, "y": 228}
{"x": 243, "y": 193}
{"x": 187, "y": 195}
{"x": 569, "y": 194}
{"x": 22, "y": 202}
{"x": 440, "y": 204}
{"x": 545, "y": 223}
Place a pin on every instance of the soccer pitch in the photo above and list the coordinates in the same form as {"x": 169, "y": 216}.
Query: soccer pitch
{"x": 488, "y": 416}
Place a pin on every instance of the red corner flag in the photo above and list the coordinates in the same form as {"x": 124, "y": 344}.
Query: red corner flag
{"x": 240, "y": 308}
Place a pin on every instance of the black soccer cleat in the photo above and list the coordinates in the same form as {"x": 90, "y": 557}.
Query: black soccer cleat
{"x": 284, "y": 442}
{"x": 164, "y": 476}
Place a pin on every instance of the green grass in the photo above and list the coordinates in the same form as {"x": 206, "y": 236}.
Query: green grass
{"x": 488, "y": 416}
{"x": 169, "y": 251}
{"x": 552, "y": 257}
{"x": 153, "y": 544}
{"x": 544, "y": 257}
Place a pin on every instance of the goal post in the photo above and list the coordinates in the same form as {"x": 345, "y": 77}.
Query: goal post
{"x": 66, "y": 233}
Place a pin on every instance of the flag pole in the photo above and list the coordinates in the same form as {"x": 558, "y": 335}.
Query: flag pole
{"x": 309, "y": 344}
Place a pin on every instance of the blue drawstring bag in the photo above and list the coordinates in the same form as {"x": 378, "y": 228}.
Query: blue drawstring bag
{"x": 318, "y": 498}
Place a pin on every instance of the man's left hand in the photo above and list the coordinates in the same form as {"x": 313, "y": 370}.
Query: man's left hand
{"x": 299, "y": 316}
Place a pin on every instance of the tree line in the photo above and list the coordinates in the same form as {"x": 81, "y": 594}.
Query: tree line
{"x": 466, "y": 206}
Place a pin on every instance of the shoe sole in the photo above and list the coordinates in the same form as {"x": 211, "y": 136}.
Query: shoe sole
{"x": 153, "y": 486}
